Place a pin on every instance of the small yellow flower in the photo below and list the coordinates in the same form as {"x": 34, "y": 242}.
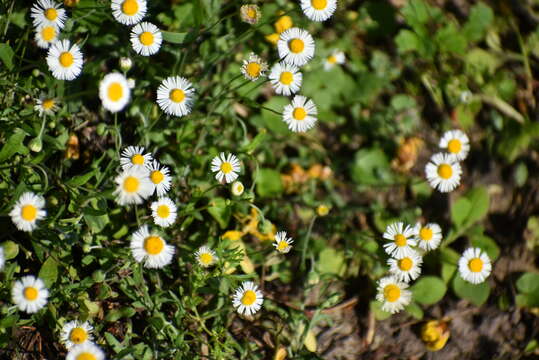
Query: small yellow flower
{"x": 232, "y": 235}
{"x": 322, "y": 210}
{"x": 283, "y": 23}
{"x": 250, "y": 14}
{"x": 273, "y": 38}
{"x": 435, "y": 334}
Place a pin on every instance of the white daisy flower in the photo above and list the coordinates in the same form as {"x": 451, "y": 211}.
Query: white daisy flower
{"x": 428, "y": 237}
{"x": 150, "y": 249}
{"x": 164, "y": 212}
{"x": 295, "y": 46}
{"x": 128, "y": 12}
{"x": 86, "y": 351}
{"x": 226, "y": 167}
{"x": 205, "y": 256}
{"x": 114, "y": 92}
{"x": 48, "y": 12}
{"x": 76, "y": 333}
{"x": 27, "y": 211}
{"x": 474, "y": 265}
{"x": 300, "y": 115}
{"x": 146, "y": 38}
{"x": 336, "y": 57}
{"x": 393, "y": 294}
{"x": 456, "y": 143}
{"x": 175, "y": 96}
{"x": 401, "y": 240}
{"x": 133, "y": 156}
{"x": 247, "y": 298}
{"x": 443, "y": 172}
{"x": 134, "y": 186}
{"x": 285, "y": 79}
{"x": 2, "y": 258}
{"x": 46, "y": 35}
{"x": 250, "y": 13}
{"x": 159, "y": 175}
{"x": 253, "y": 67}
{"x": 46, "y": 106}
{"x": 406, "y": 268}
{"x": 237, "y": 188}
{"x": 64, "y": 60}
{"x": 318, "y": 10}
{"x": 282, "y": 244}
{"x": 29, "y": 294}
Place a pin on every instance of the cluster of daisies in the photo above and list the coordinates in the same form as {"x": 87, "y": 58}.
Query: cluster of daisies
{"x": 406, "y": 247}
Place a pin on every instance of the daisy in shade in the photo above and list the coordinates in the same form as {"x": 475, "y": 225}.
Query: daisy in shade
{"x": 285, "y": 79}
{"x": 133, "y": 156}
{"x": 128, "y": 12}
{"x": 48, "y": 12}
{"x": 46, "y": 35}
{"x": 295, "y": 46}
{"x": 248, "y": 299}
{"x": 250, "y": 14}
{"x": 456, "y": 143}
{"x": 428, "y": 237}
{"x": 76, "y": 333}
{"x": 27, "y": 211}
{"x": 164, "y": 212}
{"x": 474, "y": 265}
{"x": 253, "y": 67}
{"x": 300, "y": 115}
{"x": 86, "y": 351}
{"x": 227, "y": 167}
{"x": 46, "y": 106}
{"x": 133, "y": 186}
{"x": 282, "y": 244}
{"x": 29, "y": 294}
{"x": 443, "y": 172}
{"x": 318, "y": 10}
{"x": 114, "y": 92}
{"x": 150, "y": 249}
{"x": 175, "y": 96}
{"x": 336, "y": 58}
{"x": 401, "y": 240}
{"x": 393, "y": 294}
{"x": 2, "y": 258}
{"x": 206, "y": 256}
{"x": 406, "y": 268}
{"x": 237, "y": 188}
{"x": 146, "y": 38}
{"x": 64, "y": 60}
{"x": 159, "y": 175}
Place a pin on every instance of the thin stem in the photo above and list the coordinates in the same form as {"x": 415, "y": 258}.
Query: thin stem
{"x": 306, "y": 243}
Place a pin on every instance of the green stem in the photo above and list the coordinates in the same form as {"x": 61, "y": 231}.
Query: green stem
{"x": 306, "y": 243}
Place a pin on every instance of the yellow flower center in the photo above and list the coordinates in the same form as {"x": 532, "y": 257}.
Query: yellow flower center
{"x": 137, "y": 159}
{"x": 163, "y": 211}
{"x": 282, "y": 245}
{"x": 78, "y": 335}
{"x": 29, "y": 212}
{"x": 392, "y": 293}
{"x": 86, "y": 356}
{"x": 177, "y": 95}
{"x": 131, "y": 184}
{"x": 157, "y": 176}
{"x": 51, "y": 14}
{"x": 405, "y": 264}
{"x": 248, "y": 298}
{"x": 445, "y": 171}
{"x": 332, "y": 59}
{"x": 47, "y": 104}
{"x": 130, "y": 7}
{"x": 296, "y": 45}
{"x": 400, "y": 240}
{"x": 253, "y": 69}
{"x": 226, "y": 167}
{"x": 286, "y": 78}
{"x": 66, "y": 59}
{"x": 475, "y": 265}
{"x": 251, "y": 13}
{"x": 30, "y": 293}
{"x": 425, "y": 234}
{"x": 48, "y": 33}
{"x": 146, "y": 38}
{"x": 299, "y": 113}
{"x": 115, "y": 91}
{"x": 206, "y": 258}
{"x": 454, "y": 146}
{"x": 319, "y": 4}
{"x": 153, "y": 245}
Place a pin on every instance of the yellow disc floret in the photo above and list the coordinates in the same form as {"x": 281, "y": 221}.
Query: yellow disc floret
{"x": 177, "y": 95}
{"x": 400, "y": 240}
{"x": 130, "y": 7}
{"x": 405, "y": 264}
{"x": 153, "y": 245}
{"x": 445, "y": 171}
{"x": 248, "y": 298}
{"x": 296, "y": 45}
{"x": 299, "y": 113}
{"x": 163, "y": 211}
{"x": 30, "y": 293}
{"x": 78, "y": 335}
{"x": 475, "y": 265}
{"x": 66, "y": 59}
{"x": 146, "y": 38}
{"x": 392, "y": 293}
{"x": 115, "y": 91}
{"x": 29, "y": 212}
{"x": 131, "y": 184}
{"x": 454, "y": 146}
{"x": 319, "y": 4}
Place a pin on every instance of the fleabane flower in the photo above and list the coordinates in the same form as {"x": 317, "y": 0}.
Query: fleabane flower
{"x": 474, "y": 265}
{"x": 406, "y": 268}
{"x": 282, "y": 243}
{"x": 226, "y": 167}
{"x": 27, "y": 211}
{"x": 400, "y": 240}
{"x": 336, "y": 58}
{"x": 164, "y": 212}
{"x": 128, "y": 12}
{"x": 175, "y": 96}
{"x": 76, "y": 333}
{"x": 134, "y": 156}
{"x": 250, "y": 13}
{"x": 159, "y": 175}
{"x": 114, "y": 92}
{"x": 393, "y": 294}
{"x": 133, "y": 186}
{"x": 146, "y": 38}
{"x": 296, "y": 46}
{"x": 46, "y": 35}
{"x": 206, "y": 256}
{"x": 285, "y": 79}
{"x": 248, "y": 299}
{"x": 86, "y": 351}
{"x": 150, "y": 249}
{"x": 318, "y": 10}
{"x": 428, "y": 237}
{"x": 29, "y": 294}
{"x": 48, "y": 12}
{"x": 456, "y": 143}
{"x": 46, "y": 106}
{"x": 300, "y": 114}
{"x": 253, "y": 67}
{"x": 237, "y": 188}
{"x": 64, "y": 60}
{"x": 443, "y": 172}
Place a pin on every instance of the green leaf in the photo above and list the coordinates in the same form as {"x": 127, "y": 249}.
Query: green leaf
{"x": 268, "y": 183}
{"x": 81, "y": 179}
{"x": 49, "y": 272}
{"x": 488, "y": 245}
{"x": 471, "y": 208}
{"x": 371, "y": 166}
{"x": 415, "y": 310}
{"x": 447, "y": 271}
{"x": 376, "y": 308}
{"x": 220, "y": 211}
{"x": 11, "y": 250}
{"x": 255, "y": 143}
{"x": 14, "y": 145}
{"x": 528, "y": 283}
{"x": 428, "y": 290}
{"x": 481, "y": 17}
{"x": 6, "y": 55}
{"x": 271, "y": 120}
{"x": 476, "y": 294}
{"x": 174, "y": 38}
{"x": 460, "y": 210}
{"x": 407, "y": 40}
{"x": 125, "y": 312}
{"x": 450, "y": 39}
{"x": 331, "y": 261}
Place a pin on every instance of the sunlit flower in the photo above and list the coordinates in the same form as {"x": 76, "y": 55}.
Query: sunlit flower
{"x": 248, "y": 299}
{"x": 443, "y": 172}
{"x": 336, "y": 57}
{"x": 406, "y": 268}
{"x": 296, "y": 47}
{"x": 226, "y": 167}
{"x": 250, "y": 13}
{"x": 29, "y": 294}
{"x": 48, "y": 12}
{"x": 159, "y": 175}
{"x": 401, "y": 240}
{"x": 76, "y": 333}
{"x": 133, "y": 156}
{"x": 133, "y": 186}
{"x": 164, "y": 212}
{"x": 282, "y": 243}
{"x": 393, "y": 294}
{"x": 114, "y": 92}
{"x": 300, "y": 115}
{"x": 150, "y": 249}
{"x": 205, "y": 256}
{"x": 27, "y": 211}
{"x": 175, "y": 96}
{"x": 64, "y": 60}
{"x": 46, "y": 35}
{"x": 285, "y": 79}
{"x": 474, "y": 265}
{"x": 146, "y": 38}
{"x": 86, "y": 351}
{"x": 253, "y": 67}
{"x": 428, "y": 237}
{"x": 46, "y": 106}
{"x": 128, "y": 12}
{"x": 456, "y": 143}
{"x": 237, "y": 188}
{"x": 318, "y": 10}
